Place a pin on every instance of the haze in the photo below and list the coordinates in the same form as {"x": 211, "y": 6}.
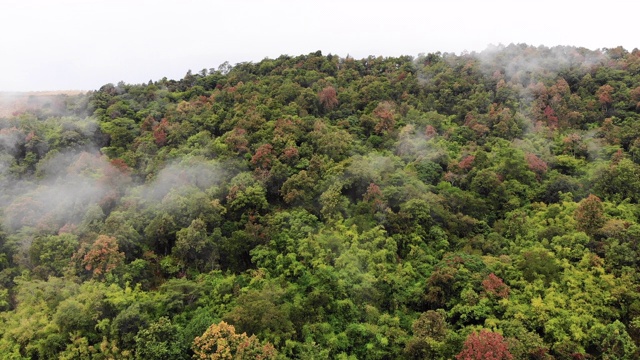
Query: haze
{"x": 84, "y": 44}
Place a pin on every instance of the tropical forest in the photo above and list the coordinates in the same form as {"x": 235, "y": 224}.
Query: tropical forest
{"x": 479, "y": 205}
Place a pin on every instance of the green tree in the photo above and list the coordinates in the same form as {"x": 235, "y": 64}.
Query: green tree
{"x": 619, "y": 181}
{"x": 122, "y": 132}
{"x": 616, "y": 342}
{"x": 262, "y": 313}
{"x": 429, "y": 333}
{"x": 52, "y": 254}
{"x": 160, "y": 341}
{"x": 194, "y": 247}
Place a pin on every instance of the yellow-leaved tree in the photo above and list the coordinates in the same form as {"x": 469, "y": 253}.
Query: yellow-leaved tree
{"x": 220, "y": 341}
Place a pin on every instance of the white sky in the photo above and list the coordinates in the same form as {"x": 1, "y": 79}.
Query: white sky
{"x": 84, "y": 44}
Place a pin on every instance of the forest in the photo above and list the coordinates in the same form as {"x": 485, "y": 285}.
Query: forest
{"x": 479, "y": 205}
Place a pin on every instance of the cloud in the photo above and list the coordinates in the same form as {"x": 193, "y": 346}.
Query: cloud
{"x": 191, "y": 172}
{"x": 71, "y": 182}
{"x": 10, "y": 139}
{"x": 519, "y": 60}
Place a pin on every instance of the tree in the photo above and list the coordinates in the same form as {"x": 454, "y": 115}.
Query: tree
{"x": 590, "y": 214}
{"x": 535, "y": 164}
{"x": 237, "y": 140}
{"x": 429, "y": 332}
{"x": 451, "y": 275}
{"x": 160, "y": 132}
{"x": 298, "y": 189}
{"x": 616, "y": 343}
{"x": 539, "y": 263}
{"x": 604, "y": 96}
{"x": 72, "y": 316}
{"x": 485, "y": 345}
{"x": 193, "y": 246}
{"x": 103, "y": 256}
{"x": 220, "y": 342}
{"x": 121, "y": 226}
{"x": 552, "y": 119}
{"x": 159, "y": 341}
{"x": 263, "y": 157}
{"x": 52, "y": 254}
{"x": 619, "y": 181}
{"x": 495, "y": 286}
{"x": 160, "y": 232}
{"x": 328, "y": 98}
{"x": 126, "y": 324}
{"x": 262, "y": 313}
{"x": 386, "y": 117}
{"x": 122, "y": 132}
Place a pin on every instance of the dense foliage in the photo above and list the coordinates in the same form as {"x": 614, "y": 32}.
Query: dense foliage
{"x": 319, "y": 207}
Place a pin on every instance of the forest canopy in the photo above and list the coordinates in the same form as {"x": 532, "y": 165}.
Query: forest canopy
{"x": 480, "y": 205}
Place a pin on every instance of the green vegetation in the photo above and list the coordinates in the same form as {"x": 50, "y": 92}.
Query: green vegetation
{"x": 315, "y": 207}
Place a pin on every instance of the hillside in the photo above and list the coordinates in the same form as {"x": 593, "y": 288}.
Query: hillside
{"x": 318, "y": 207}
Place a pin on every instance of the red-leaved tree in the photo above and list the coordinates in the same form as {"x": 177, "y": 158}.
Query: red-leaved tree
{"x": 263, "y": 156}
{"x": 103, "y": 256}
{"x": 328, "y": 97}
{"x": 604, "y": 95}
{"x": 485, "y": 345}
{"x": 552, "y": 119}
{"x": 466, "y": 163}
{"x": 495, "y": 286}
{"x": 160, "y": 132}
{"x": 237, "y": 140}
{"x": 385, "y": 114}
{"x": 536, "y": 165}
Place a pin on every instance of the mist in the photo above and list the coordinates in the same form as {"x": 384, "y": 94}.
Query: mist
{"x": 198, "y": 173}
{"x": 68, "y": 184}
{"x": 40, "y": 103}
{"x": 518, "y": 61}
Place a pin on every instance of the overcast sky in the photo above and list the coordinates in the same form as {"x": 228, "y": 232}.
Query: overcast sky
{"x": 84, "y": 44}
